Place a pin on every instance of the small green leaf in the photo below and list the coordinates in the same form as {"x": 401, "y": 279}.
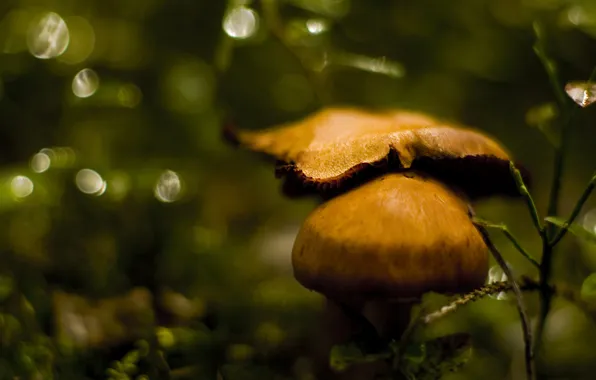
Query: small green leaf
{"x": 440, "y": 356}
{"x": 574, "y": 228}
{"x": 343, "y": 356}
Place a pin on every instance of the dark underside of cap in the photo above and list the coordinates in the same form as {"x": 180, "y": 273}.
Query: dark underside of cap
{"x": 369, "y": 289}
{"x": 477, "y": 176}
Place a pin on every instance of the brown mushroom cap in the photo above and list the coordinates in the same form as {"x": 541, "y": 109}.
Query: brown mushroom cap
{"x": 340, "y": 148}
{"x": 398, "y": 236}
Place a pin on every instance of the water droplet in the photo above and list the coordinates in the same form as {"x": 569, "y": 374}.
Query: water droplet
{"x": 241, "y": 22}
{"x": 168, "y": 187}
{"x": 40, "y": 162}
{"x": 316, "y": 26}
{"x": 85, "y": 83}
{"x": 496, "y": 274}
{"x": 90, "y": 182}
{"x": 582, "y": 93}
{"x": 21, "y": 186}
{"x": 49, "y": 37}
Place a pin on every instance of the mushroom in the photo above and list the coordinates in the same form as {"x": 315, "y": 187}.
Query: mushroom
{"x": 379, "y": 247}
{"x": 397, "y": 236}
{"x": 396, "y": 223}
{"x": 337, "y": 149}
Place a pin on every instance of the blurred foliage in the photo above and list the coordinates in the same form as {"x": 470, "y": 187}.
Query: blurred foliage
{"x": 126, "y": 216}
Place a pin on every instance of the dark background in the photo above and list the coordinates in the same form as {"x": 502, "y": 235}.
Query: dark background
{"x": 218, "y": 250}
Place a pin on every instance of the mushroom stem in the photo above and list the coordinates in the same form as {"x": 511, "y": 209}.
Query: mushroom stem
{"x": 341, "y": 324}
{"x": 389, "y": 317}
{"x": 363, "y": 323}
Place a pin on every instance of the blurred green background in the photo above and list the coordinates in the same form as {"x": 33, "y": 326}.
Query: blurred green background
{"x": 122, "y": 209}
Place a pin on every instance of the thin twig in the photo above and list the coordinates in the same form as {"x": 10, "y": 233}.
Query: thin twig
{"x": 521, "y": 308}
{"x": 576, "y": 210}
{"x": 525, "y": 284}
{"x": 523, "y": 190}
{"x": 494, "y": 288}
{"x": 505, "y": 230}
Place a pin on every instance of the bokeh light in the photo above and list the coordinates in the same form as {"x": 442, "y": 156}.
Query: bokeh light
{"x": 168, "y": 187}
{"x": 49, "y": 37}
{"x": 588, "y": 289}
{"x": 129, "y": 95}
{"x": 21, "y": 186}
{"x": 188, "y": 86}
{"x": 82, "y": 41}
{"x": 119, "y": 185}
{"x": 40, "y": 162}
{"x": 589, "y": 221}
{"x": 576, "y": 15}
{"x": 241, "y": 22}
{"x": 85, "y": 83}
{"x": 60, "y": 156}
{"x": 90, "y": 182}
{"x": 378, "y": 65}
{"x": 316, "y": 26}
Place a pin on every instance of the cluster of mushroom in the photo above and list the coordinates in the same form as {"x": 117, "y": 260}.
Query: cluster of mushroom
{"x": 397, "y": 185}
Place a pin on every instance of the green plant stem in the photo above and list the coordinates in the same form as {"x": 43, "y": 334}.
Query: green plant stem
{"x": 561, "y": 151}
{"x": 503, "y": 228}
{"x": 555, "y": 188}
{"x": 521, "y": 307}
{"x": 547, "y": 63}
{"x": 556, "y": 236}
{"x": 523, "y": 190}
{"x": 576, "y": 210}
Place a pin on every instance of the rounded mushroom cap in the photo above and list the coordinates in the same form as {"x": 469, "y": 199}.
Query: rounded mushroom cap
{"x": 398, "y": 236}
